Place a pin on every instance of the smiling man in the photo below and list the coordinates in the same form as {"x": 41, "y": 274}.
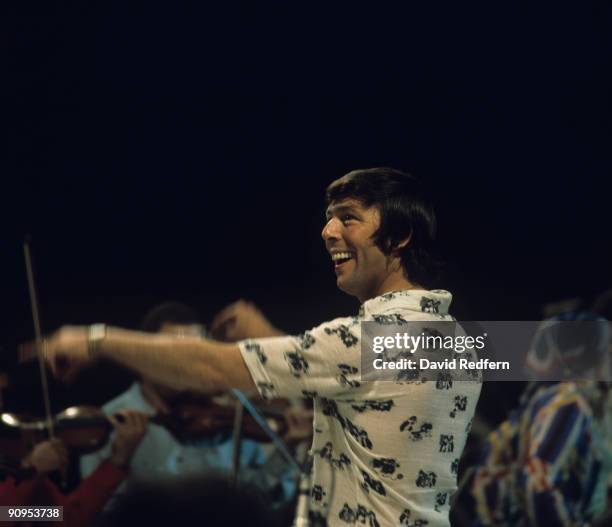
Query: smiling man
{"x": 364, "y": 233}
{"x": 386, "y": 453}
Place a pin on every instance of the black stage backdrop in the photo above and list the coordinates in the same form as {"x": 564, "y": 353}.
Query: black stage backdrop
{"x": 180, "y": 151}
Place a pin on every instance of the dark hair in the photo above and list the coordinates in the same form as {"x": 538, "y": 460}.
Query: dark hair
{"x": 188, "y": 501}
{"x": 405, "y": 211}
{"x": 168, "y": 313}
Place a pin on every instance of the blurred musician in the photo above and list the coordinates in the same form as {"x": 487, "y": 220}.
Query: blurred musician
{"x": 161, "y": 456}
{"x": 549, "y": 463}
{"x": 26, "y": 482}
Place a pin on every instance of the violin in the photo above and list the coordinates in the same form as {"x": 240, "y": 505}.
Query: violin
{"x": 192, "y": 420}
{"x": 81, "y": 428}
{"x": 85, "y": 429}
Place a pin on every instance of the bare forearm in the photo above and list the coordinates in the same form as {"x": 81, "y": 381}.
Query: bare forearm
{"x": 184, "y": 363}
{"x": 272, "y": 331}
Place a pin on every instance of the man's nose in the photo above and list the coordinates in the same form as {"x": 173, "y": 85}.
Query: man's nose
{"x": 330, "y": 231}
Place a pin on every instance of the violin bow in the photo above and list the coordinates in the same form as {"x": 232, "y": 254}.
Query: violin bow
{"x": 40, "y": 343}
{"x": 261, "y": 421}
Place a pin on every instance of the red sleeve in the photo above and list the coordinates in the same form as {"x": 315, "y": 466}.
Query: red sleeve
{"x": 19, "y": 494}
{"x": 90, "y": 497}
{"x": 12, "y": 493}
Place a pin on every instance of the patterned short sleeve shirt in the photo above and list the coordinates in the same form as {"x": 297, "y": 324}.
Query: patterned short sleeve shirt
{"x": 385, "y": 453}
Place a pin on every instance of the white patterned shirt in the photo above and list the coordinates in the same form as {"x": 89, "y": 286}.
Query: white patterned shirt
{"x": 385, "y": 453}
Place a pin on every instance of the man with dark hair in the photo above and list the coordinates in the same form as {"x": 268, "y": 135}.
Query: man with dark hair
{"x": 171, "y": 316}
{"x": 385, "y": 453}
{"x": 405, "y": 214}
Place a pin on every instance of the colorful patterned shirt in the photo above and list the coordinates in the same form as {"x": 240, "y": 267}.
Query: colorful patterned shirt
{"x": 546, "y": 465}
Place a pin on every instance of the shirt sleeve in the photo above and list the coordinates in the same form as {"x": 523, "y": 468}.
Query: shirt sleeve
{"x": 80, "y": 507}
{"x": 13, "y": 493}
{"x": 90, "y": 497}
{"x": 324, "y": 361}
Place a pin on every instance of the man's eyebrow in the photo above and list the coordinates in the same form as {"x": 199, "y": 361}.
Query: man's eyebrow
{"x": 338, "y": 209}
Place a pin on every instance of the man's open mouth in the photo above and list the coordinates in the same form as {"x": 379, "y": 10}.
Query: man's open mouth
{"x": 341, "y": 258}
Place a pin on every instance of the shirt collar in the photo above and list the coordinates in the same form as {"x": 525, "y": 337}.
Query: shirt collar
{"x": 435, "y": 301}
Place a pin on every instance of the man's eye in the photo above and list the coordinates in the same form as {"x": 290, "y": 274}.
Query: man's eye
{"x": 347, "y": 217}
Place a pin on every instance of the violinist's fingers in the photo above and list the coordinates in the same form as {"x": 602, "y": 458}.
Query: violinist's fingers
{"x": 47, "y": 456}
{"x": 132, "y": 419}
{"x": 128, "y": 419}
{"x": 129, "y": 432}
{"x": 120, "y": 420}
{"x": 143, "y": 419}
{"x": 61, "y": 451}
{"x": 131, "y": 425}
{"x": 138, "y": 420}
{"x": 114, "y": 421}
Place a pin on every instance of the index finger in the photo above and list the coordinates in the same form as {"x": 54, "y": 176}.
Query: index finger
{"x": 117, "y": 420}
{"x": 111, "y": 419}
{"x": 142, "y": 419}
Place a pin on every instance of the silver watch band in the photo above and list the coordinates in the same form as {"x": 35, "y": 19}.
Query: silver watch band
{"x": 95, "y": 336}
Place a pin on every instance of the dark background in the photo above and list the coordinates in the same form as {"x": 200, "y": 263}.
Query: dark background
{"x": 180, "y": 151}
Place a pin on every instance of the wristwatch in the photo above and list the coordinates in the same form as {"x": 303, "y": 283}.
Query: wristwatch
{"x": 95, "y": 336}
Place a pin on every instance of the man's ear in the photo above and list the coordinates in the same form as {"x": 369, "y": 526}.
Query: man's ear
{"x": 402, "y": 244}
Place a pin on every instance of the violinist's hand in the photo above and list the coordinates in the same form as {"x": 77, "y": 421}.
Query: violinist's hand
{"x": 242, "y": 320}
{"x": 48, "y": 456}
{"x": 299, "y": 425}
{"x": 130, "y": 428}
{"x": 66, "y": 351}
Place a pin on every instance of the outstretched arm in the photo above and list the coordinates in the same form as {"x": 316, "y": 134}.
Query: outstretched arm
{"x": 181, "y": 362}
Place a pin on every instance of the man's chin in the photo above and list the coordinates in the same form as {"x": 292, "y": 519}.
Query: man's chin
{"x": 344, "y": 285}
